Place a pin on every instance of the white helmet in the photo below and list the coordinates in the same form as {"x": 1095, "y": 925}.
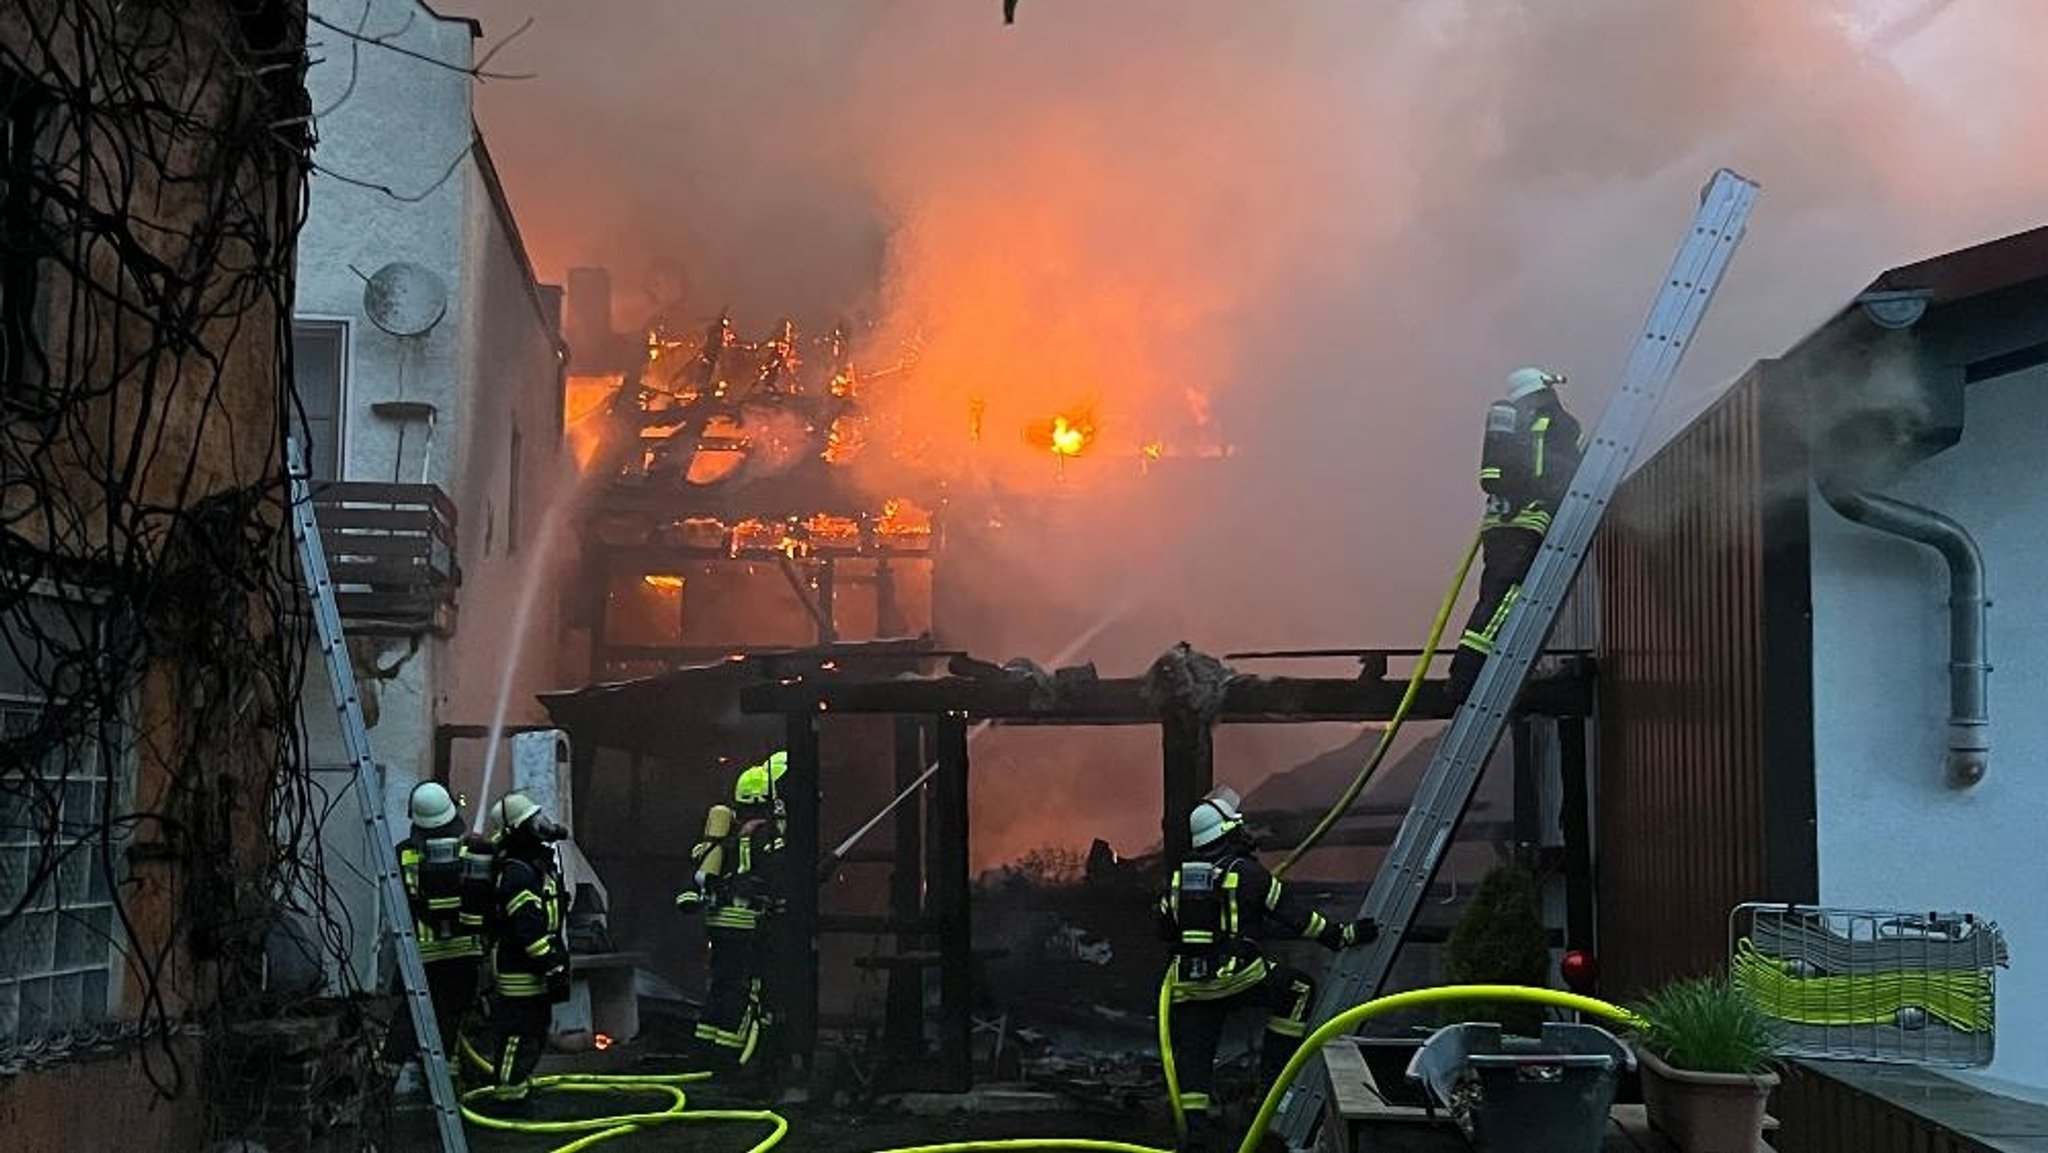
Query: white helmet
{"x": 431, "y": 805}
{"x": 1524, "y": 381}
{"x": 1215, "y": 817}
{"x": 510, "y": 813}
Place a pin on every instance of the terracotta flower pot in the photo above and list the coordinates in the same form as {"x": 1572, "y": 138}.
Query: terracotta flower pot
{"x": 1705, "y": 1112}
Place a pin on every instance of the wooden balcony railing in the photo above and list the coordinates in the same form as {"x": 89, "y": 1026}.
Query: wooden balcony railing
{"x": 391, "y": 553}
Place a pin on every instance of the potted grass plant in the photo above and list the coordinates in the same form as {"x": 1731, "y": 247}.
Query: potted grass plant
{"x": 1706, "y": 1053}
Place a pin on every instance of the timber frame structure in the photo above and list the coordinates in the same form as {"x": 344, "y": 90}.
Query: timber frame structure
{"x": 1186, "y": 694}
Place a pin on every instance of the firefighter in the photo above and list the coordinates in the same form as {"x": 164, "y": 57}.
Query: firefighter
{"x": 739, "y": 886}
{"x": 1532, "y": 449}
{"x": 448, "y": 883}
{"x": 530, "y": 955}
{"x": 1220, "y": 901}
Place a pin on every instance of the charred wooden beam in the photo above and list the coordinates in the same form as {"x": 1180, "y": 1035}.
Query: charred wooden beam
{"x": 1123, "y": 701}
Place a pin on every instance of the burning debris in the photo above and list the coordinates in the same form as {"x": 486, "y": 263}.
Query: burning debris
{"x": 716, "y": 407}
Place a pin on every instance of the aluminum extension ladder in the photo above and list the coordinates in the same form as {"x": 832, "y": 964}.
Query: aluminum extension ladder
{"x": 348, "y": 707}
{"x": 1446, "y": 789}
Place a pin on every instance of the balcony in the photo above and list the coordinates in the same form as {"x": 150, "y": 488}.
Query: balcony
{"x": 391, "y": 554}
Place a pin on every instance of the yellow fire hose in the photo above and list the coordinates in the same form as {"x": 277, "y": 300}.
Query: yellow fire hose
{"x": 1393, "y": 729}
{"x": 598, "y": 1129}
{"x": 1960, "y": 999}
{"x": 1166, "y": 983}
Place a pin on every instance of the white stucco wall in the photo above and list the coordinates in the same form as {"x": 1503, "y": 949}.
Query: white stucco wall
{"x": 508, "y": 615}
{"x": 387, "y": 119}
{"x": 402, "y": 178}
{"x": 1891, "y": 834}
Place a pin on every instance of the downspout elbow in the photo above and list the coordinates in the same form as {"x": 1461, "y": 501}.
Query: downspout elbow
{"x": 1969, "y": 743}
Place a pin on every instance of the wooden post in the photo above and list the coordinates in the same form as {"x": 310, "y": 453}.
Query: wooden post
{"x": 1188, "y": 755}
{"x": 828, "y": 609}
{"x": 951, "y": 899}
{"x": 1527, "y": 782}
{"x": 903, "y": 1029}
{"x": 1577, "y": 825}
{"x": 799, "y": 955}
{"x": 888, "y": 613}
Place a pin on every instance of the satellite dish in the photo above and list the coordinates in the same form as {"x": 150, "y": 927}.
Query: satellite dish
{"x": 404, "y": 299}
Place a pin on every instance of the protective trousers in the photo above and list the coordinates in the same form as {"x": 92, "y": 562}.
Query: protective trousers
{"x": 451, "y": 985}
{"x": 515, "y": 1029}
{"x": 1197, "y": 1029}
{"x": 729, "y": 1027}
{"x": 1507, "y": 554}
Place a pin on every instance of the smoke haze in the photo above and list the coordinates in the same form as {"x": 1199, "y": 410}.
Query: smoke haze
{"x": 1318, "y": 232}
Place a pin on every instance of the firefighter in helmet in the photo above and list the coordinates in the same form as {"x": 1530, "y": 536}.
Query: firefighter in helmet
{"x": 447, "y": 878}
{"x": 1532, "y": 448}
{"x": 740, "y": 887}
{"x": 530, "y": 954}
{"x": 1217, "y": 906}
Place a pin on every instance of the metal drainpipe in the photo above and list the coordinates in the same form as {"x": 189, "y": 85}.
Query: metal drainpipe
{"x": 1969, "y": 744}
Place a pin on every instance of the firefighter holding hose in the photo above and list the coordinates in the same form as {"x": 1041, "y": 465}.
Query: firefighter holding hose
{"x": 740, "y": 886}
{"x": 1532, "y": 448}
{"x": 1220, "y": 902}
{"x": 530, "y": 955}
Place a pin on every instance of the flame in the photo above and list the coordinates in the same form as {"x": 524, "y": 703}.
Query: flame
{"x": 826, "y": 529}
{"x": 1065, "y": 435}
{"x": 756, "y": 533}
{"x": 1068, "y": 439}
{"x": 586, "y": 404}
{"x": 844, "y": 440}
{"x": 903, "y": 518}
{"x": 601, "y": 1042}
{"x": 665, "y": 582}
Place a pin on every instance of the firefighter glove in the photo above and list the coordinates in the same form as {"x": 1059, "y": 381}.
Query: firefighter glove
{"x": 558, "y": 983}
{"x": 1361, "y": 932}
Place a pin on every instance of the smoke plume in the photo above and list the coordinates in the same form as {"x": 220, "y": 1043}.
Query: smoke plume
{"x": 1319, "y": 233}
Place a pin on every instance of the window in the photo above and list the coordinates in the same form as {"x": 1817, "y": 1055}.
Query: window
{"x": 22, "y": 243}
{"x": 319, "y": 369}
{"x": 58, "y": 953}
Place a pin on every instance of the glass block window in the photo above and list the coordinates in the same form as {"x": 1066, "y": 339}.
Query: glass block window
{"x": 58, "y": 932}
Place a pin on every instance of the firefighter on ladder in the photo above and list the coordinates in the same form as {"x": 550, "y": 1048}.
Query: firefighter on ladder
{"x": 530, "y": 955}
{"x": 1532, "y": 448}
{"x": 739, "y": 886}
{"x": 1220, "y": 901}
{"x": 448, "y": 883}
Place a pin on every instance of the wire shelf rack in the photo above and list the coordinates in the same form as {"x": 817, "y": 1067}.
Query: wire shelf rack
{"x": 1872, "y": 985}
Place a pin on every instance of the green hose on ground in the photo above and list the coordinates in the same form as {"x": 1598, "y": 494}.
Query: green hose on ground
{"x": 1386, "y": 741}
{"x": 600, "y": 1129}
{"x": 1166, "y": 983}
